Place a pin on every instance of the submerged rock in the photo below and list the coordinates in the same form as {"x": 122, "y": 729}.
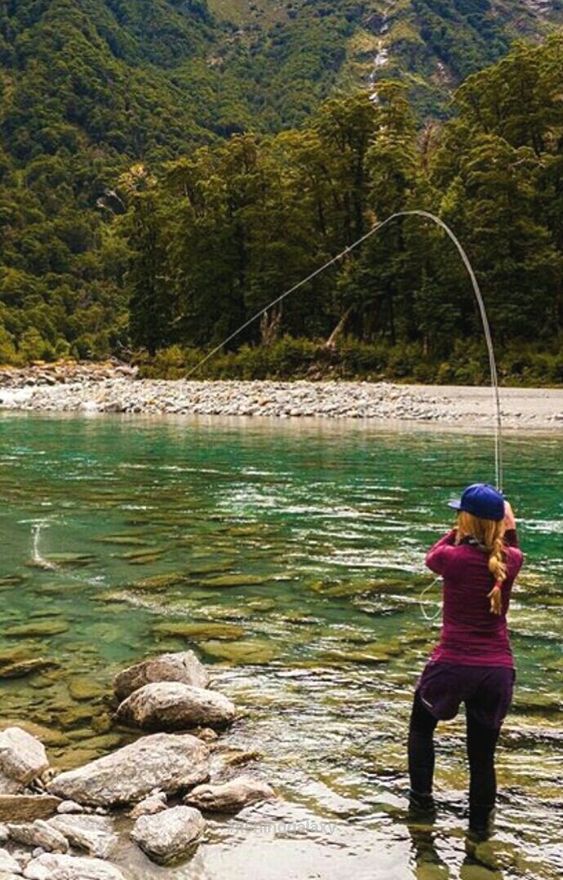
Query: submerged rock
{"x": 23, "y": 668}
{"x": 37, "y": 629}
{"x": 233, "y": 580}
{"x": 94, "y": 834}
{"x": 159, "y": 582}
{"x": 231, "y": 796}
{"x": 247, "y": 651}
{"x": 201, "y": 630}
{"x": 64, "y": 867}
{"x": 165, "y": 761}
{"x": 172, "y": 705}
{"x": 22, "y": 756}
{"x": 83, "y": 689}
{"x": 183, "y": 666}
{"x": 168, "y": 835}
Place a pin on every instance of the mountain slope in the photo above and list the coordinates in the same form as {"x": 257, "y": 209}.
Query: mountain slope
{"x": 90, "y": 87}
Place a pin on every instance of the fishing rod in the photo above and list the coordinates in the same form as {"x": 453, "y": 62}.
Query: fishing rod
{"x": 497, "y": 424}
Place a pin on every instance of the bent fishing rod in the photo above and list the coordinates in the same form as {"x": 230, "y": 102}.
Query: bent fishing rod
{"x": 427, "y": 215}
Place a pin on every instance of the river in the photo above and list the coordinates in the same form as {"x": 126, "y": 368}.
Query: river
{"x": 294, "y": 555}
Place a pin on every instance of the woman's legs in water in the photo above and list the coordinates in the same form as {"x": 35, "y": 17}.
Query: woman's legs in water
{"x": 481, "y": 745}
{"x": 421, "y": 753}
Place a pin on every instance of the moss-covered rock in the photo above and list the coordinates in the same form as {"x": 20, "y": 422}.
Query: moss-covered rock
{"x": 200, "y": 630}
{"x": 247, "y": 651}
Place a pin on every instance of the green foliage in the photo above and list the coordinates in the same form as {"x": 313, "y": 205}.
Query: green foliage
{"x": 290, "y": 359}
{"x": 245, "y": 220}
{"x": 155, "y": 190}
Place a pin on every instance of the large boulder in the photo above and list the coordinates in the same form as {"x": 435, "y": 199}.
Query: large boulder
{"x": 93, "y": 834}
{"x": 231, "y": 796}
{"x": 169, "y": 835}
{"x": 171, "y": 705}
{"x": 22, "y": 758}
{"x": 184, "y": 667}
{"x": 62, "y": 867}
{"x": 165, "y": 761}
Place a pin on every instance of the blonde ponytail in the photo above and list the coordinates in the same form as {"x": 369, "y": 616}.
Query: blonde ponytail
{"x": 497, "y": 564}
{"x": 489, "y": 533}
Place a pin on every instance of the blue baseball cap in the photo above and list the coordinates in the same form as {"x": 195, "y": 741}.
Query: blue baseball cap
{"x": 481, "y": 500}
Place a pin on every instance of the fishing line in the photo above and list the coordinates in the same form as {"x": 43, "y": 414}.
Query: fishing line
{"x": 497, "y": 424}
{"x": 429, "y": 617}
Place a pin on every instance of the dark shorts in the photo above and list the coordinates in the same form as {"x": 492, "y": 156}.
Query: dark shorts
{"x": 485, "y": 690}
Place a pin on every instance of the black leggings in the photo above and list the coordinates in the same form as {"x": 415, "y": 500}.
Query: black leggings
{"x": 481, "y": 744}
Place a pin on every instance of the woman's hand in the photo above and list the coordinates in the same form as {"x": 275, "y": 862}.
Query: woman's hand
{"x": 509, "y": 521}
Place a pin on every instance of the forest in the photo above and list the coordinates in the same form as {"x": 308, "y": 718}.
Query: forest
{"x": 136, "y": 223}
{"x": 218, "y": 234}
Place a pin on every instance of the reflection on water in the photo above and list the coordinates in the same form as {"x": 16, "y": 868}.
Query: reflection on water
{"x": 289, "y": 556}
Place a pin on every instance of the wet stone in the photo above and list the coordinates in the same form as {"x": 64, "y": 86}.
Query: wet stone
{"x": 83, "y": 689}
{"x": 233, "y": 580}
{"x": 37, "y": 629}
{"x": 181, "y": 666}
{"x": 64, "y": 867}
{"x": 197, "y": 631}
{"x": 230, "y": 796}
{"x": 169, "y": 835}
{"x": 92, "y": 834}
{"x": 39, "y": 833}
{"x": 170, "y": 705}
{"x": 244, "y": 651}
{"x": 164, "y": 761}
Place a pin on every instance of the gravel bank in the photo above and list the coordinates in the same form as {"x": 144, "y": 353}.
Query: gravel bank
{"x": 114, "y": 389}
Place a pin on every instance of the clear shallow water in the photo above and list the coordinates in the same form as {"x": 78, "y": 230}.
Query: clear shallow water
{"x": 297, "y": 547}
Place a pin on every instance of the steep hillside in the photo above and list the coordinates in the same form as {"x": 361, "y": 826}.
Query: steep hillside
{"x": 430, "y": 44}
{"x": 88, "y": 88}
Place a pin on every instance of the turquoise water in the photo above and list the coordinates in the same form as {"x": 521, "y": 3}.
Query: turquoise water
{"x": 289, "y": 555}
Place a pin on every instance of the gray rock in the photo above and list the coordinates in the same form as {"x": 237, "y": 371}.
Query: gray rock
{"x": 94, "y": 834}
{"x": 69, "y": 807}
{"x": 175, "y": 706}
{"x": 231, "y": 796}
{"x": 8, "y": 863}
{"x": 165, "y": 761}
{"x": 39, "y": 834}
{"x": 184, "y": 667}
{"x": 9, "y": 786}
{"x": 22, "y": 756}
{"x": 4, "y": 835}
{"x": 62, "y": 867}
{"x": 168, "y": 835}
{"x": 155, "y": 803}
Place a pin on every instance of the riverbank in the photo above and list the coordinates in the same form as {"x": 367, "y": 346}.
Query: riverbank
{"x": 114, "y": 388}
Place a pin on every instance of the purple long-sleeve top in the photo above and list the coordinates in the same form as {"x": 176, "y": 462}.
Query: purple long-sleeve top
{"x": 471, "y": 634}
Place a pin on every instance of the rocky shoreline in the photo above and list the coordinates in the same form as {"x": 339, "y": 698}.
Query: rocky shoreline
{"x": 114, "y": 388}
{"x": 157, "y": 790}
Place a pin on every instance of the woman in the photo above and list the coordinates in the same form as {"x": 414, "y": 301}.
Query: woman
{"x": 478, "y": 561}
